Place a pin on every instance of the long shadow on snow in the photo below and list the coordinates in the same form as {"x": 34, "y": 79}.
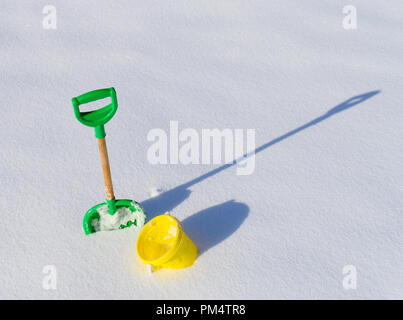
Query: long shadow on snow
{"x": 212, "y": 225}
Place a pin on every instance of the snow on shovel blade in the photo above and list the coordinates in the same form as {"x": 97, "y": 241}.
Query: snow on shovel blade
{"x": 128, "y": 213}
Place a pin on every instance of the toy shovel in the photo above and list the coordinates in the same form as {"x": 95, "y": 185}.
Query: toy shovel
{"x": 112, "y": 214}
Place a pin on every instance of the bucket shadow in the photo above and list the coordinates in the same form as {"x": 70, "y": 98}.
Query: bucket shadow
{"x": 211, "y": 226}
{"x": 170, "y": 199}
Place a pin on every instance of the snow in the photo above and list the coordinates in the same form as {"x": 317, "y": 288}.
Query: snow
{"x": 122, "y": 216}
{"x": 327, "y": 188}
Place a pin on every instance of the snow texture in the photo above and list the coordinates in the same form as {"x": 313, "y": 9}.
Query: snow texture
{"x": 122, "y": 216}
{"x": 327, "y": 188}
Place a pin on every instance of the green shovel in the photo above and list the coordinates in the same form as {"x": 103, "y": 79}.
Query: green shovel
{"x": 112, "y": 214}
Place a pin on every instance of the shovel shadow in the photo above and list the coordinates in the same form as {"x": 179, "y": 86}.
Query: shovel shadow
{"x": 213, "y": 225}
{"x": 170, "y": 199}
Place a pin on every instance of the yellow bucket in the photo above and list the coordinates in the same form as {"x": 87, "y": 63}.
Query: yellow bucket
{"x": 162, "y": 243}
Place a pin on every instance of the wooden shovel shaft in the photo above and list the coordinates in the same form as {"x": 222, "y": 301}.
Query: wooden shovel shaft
{"x": 106, "y": 169}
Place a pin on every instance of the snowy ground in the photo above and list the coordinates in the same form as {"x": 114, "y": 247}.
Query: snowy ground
{"x": 327, "y": 189}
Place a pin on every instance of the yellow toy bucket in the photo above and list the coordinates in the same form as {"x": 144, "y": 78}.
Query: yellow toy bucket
{"x": 162, "y": 243}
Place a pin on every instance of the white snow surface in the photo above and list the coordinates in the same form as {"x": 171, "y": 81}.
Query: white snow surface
{"x": 122, "y": 216}
{"x": 327, "y": 188}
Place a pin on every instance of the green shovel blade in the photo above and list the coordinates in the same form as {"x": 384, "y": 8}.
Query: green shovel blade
{"x": 92, "y": 220}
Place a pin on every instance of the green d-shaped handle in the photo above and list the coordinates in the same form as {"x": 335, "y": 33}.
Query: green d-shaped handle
{"x": 96, "y": 118}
